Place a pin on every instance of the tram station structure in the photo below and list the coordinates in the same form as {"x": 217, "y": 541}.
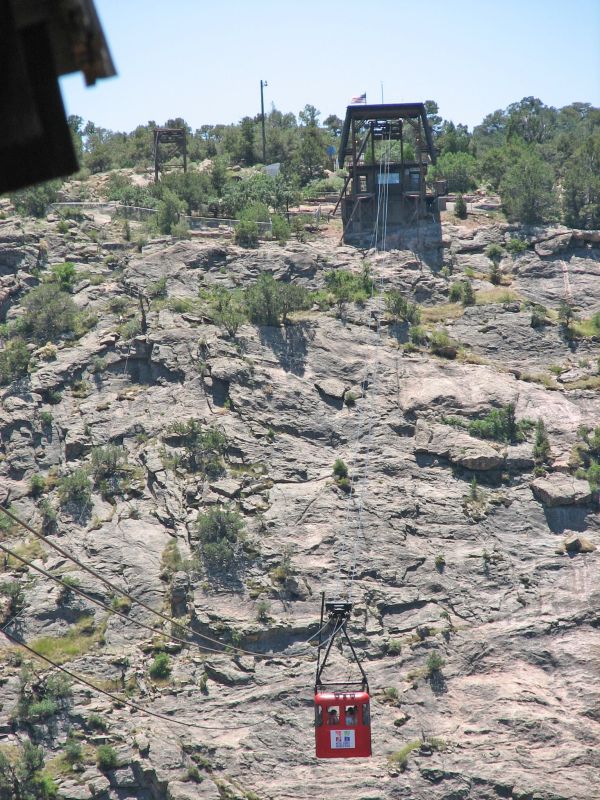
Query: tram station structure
{"x": 387, "y": 150}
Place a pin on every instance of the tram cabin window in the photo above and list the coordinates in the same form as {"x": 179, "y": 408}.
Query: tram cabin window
{"x": 350, "y": 715}
{"x": 366, "y": 715}
{"x": 333, "y": 715}
{"x": 318, "y": 716}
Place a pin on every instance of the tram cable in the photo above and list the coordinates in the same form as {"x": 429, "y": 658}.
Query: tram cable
{"x": 120, "y": 700}
{"x": 165, "y": 617}
{"x": 76, "y": 590}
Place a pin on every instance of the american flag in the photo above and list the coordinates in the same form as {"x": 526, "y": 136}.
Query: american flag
{"x": 362, "y": 98}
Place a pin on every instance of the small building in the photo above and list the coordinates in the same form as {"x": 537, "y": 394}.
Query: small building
{"x": 387, "y": 150}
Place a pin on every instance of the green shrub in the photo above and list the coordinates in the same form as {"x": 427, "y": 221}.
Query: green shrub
{"x": 541, "y": 447}
{"x": 48, "y": 516}
{"x": 435, "y": 663}
{"x": 227, "y": 310}
{"x": 75, "y": 488}
{"x": 73, "y": 751}
{"x": 16, "y": 598}
{"x": 69, "y": 583}
{"x": 460, "y": 207}
{"x": 156, "y": 290}
{"x": 418, "y": 335}
{"x": 63, "y": 275}
{"x": 130, "y": 329}
{"x": 442, "y": 345}
{"x": 400, "y": 309}
{"x": 400, "y": 757}
{"x": 280, "y": 228}
{"x": 37, "y": 485}
{"x": 168, "y": 211}
{"x": 501, "y": 425}
{"x": 194, "y": 774}
{"x": 118, "y": 304}
{"x": 219, "y": 532}
{"x": 97, "y": 723}
{"x": 340, "y": 469}
{"x": 269, "y": 300}
{"x": 48, "y": 313}
{"x": 246, "y": 233}
{"x": 394, "y": 647}
{"x": 35, "y": 200}
{"x": 181, "y": 230}
{"x": 566, "y": 313}
{"x": 204, "y": 447}
{"x": 538, "y": 316}
{"x": 106, "y": 757}
{"x": 161, "y": 666}
{"x": 263, "y": 608}
{"x": 462, "y": 292}
{"x": 516, "y": 246}
{"x": 440, "y": 562}
{"x": 347, "y": 287}
{"x": 494, "y": 252}
{"x": 14, "y": 361}
{"x": 46, "y": 418}
{"x": 456, "y": 291}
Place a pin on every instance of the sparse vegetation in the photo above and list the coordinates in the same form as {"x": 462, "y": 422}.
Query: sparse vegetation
{"x": 460, "y": 207}
{"x": 435, "y": 663}
{"x": 219, "y": 532}
{"x": 14, "y": 361}
{"x": 106, "y": 757}
{"x": 399, "y": 758}
{"x": 501, "y": 425}
{"x": 204, "y": 447}
{"x": 401, "y": 309}
{"x": 49, "y": 313}
{"x": 75, "y": 488}
{"x": 160, "y": 667}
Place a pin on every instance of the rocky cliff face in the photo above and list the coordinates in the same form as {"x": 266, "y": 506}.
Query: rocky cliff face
{"x": 475, "y": 575}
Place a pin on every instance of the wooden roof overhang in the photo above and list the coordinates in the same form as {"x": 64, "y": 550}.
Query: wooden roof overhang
{"x": 383, "y": 112}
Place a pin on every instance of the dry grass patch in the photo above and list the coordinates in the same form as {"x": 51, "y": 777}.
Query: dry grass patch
{"x": 445, "y": 311}
{"x": 592, "y": 382}
{"x": 499, "y": 294}
{"x": 543, "y": 379}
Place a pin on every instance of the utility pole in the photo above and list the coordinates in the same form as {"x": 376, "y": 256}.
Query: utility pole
{"x": 262, "y": 115}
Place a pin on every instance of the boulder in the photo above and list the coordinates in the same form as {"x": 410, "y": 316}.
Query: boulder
{"x": 331, "y": 387}
{"x": 455, "y": 445}
{"x": 206, "y": 790}
{"x": 561, "y": 490}
{"x": 578, "y": 544}
{"x": 552, "y": 245}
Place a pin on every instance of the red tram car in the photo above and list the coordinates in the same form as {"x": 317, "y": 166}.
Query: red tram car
{"x": 342, "y": 713}
{"x": 342, "y": 725}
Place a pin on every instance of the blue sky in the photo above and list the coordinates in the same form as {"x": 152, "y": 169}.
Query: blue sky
{"x": 203, "y": 61}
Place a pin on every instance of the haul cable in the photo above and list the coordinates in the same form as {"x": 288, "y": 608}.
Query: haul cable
{"x": 123, "y": 593}
{"x": 120, "y": 700}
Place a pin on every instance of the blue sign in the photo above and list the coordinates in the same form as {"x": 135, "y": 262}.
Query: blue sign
{"x": 330, "y": 151}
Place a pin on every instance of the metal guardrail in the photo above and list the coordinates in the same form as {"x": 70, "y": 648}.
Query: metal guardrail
{"x": 194, "y": 223}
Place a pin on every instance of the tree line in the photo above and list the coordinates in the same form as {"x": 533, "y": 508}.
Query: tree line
{"x": 544, "y": 162}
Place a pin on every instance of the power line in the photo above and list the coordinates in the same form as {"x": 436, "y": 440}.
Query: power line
{"x": 120, "y": 700}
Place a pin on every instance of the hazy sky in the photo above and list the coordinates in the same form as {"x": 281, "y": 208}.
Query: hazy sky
{"x": 203, "y": 61}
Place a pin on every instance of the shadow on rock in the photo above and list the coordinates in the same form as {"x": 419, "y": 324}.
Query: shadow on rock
{"x": 561, "y": 518}
{"x": 438, "y": 682}
{"x": 289, "y": 344}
